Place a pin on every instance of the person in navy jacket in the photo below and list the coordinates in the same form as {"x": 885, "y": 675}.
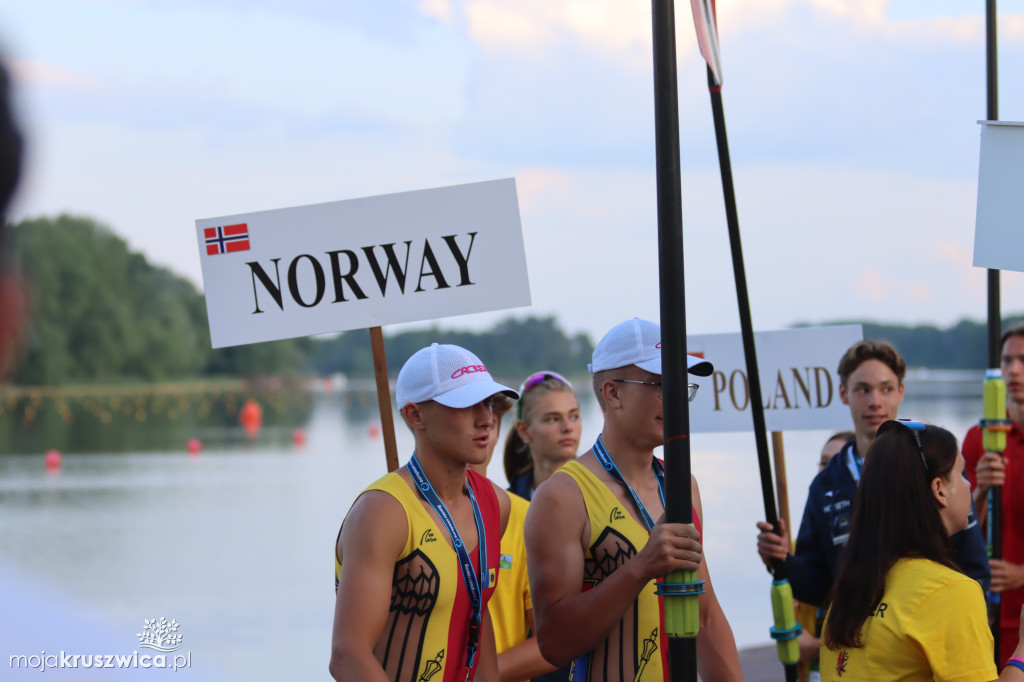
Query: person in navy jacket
{"x": 871, "y": 383}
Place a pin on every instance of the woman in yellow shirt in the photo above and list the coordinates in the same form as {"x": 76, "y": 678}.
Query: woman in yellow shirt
{"x": 900, "y": 607}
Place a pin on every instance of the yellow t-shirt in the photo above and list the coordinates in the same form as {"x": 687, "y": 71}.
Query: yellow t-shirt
{"x": 930, "y": 625}
{"x": 511, "y": 599}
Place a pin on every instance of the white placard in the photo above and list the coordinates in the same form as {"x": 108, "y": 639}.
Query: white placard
{"x": 799, "y": 384}
{"x": 363, "y": 262}
{"x": 999, "y": 225}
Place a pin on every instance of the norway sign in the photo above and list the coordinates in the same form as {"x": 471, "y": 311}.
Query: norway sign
{"x": 363, "y": 263}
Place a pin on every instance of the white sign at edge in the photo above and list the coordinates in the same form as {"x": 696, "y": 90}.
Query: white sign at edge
{"x": 999, "y": 222}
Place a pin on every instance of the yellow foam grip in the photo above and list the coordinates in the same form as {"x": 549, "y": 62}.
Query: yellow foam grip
{"x": 785, "y": 622}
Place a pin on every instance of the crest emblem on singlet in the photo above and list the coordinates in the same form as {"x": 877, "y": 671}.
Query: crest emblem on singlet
{"x": 841, "y": 661}
{"x": 432, "y": 667}
{"x": 619, "y": 656}
{"x": 414, "y": 592}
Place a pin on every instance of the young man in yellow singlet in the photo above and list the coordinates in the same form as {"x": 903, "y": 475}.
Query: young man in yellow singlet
{"x": 593, "y": 547}
{"x": 420, "y": 547}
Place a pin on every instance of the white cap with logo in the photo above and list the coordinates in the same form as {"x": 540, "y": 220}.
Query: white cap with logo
{"x": 447, "y": 374}
{"x": 638, "y": 342}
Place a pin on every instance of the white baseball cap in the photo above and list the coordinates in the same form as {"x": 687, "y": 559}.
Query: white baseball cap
{"x": 447, "y": 374}
{"x": 638, "y": 342}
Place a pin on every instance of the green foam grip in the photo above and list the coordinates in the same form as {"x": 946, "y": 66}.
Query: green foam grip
{"x": 785, "y": 622}
{"x": 682, "y": 615}
{"x": 993, "y": 394}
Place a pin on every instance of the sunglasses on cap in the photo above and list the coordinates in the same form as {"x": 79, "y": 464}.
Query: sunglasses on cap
{"x": 915, "y": 427}
{"x": 532, "y": 381}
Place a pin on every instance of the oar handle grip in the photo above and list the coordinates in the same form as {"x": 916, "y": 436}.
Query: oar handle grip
{"x": 786, "y": 628}
{"x": 680, "y": 590}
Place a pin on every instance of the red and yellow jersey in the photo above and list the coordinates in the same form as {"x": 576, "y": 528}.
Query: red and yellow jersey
{"x": 427, "y": 629}
{"x": 637, "y": 648}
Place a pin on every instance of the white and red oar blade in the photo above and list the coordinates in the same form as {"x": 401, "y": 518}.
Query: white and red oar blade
{"x": 707, "y": 35}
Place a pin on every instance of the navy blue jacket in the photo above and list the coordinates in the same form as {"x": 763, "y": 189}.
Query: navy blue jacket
{"x": 523, "y": 485}
{"x": 826, "y": 527}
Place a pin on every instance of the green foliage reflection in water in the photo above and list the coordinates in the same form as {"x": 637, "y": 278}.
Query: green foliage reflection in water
{"x": 141, "y": 419}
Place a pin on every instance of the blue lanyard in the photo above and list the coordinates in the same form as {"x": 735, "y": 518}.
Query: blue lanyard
{"x": 474, "y": 582}
{"x": 858, "y": 462}
{"x": 659, "y": 472}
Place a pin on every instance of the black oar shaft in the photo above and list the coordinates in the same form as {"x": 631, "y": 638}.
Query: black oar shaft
{"x": 682, "y": 651}
{"x": 746, "y": 325}
{"x": 670, "y": 261}
{"x": 994, "y": 308}
{"x": 746, "y": 328}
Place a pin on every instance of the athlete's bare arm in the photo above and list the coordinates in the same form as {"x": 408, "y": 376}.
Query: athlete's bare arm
{"x": 487, "y": 666}
{"x": 371, "y": 539}
{"x": 571, "y": 622}
{"x": 717, "y": 659}
{"x": 523, "y": 661}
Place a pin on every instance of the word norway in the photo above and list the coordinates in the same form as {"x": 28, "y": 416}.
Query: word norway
{"x": 63, "y": 660}
{"x": 343, "y": 265}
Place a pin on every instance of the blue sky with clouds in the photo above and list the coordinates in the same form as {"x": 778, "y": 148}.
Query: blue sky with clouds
{"x": 852, "y": 128}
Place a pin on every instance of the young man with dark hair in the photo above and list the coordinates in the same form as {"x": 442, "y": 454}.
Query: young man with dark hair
{"x": 871, "y": 383}
{"x": 593, "y": 547}
{"x": 417, "y": 556}
{"x": 1006, "y": 469}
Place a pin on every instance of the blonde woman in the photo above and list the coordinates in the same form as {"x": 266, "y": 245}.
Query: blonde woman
{"x": 546, "y": 435}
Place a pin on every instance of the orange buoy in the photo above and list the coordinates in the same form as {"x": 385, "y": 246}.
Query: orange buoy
{"x": 52, "y": 460}
{"x": 373, "y": 431}
{"x": 251, "y": 417}
{"x": 299, "y": 437}
{"x": 194, "y": 446}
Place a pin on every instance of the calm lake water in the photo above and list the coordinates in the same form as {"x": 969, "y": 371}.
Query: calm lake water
{"x": 235, "y": 544}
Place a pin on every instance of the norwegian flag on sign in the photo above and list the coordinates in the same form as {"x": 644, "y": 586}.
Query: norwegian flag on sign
{"x": 227, "y": 239}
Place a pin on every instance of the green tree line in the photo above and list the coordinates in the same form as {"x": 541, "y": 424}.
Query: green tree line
{"x": 961, "y": 346}
{"x": 100, "y": 312}
{"x": 511, "y": 349}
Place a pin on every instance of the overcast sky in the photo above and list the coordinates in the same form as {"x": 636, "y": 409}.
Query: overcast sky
{"x": 852, "y": 127}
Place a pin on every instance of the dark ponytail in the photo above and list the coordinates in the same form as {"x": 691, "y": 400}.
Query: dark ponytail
{"x": 518, "y": 459}
{"x": 895, "y": 516}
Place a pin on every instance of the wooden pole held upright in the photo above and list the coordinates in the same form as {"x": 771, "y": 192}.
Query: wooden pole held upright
{"x": 781, "y": 490}
{"x": 387, "y": 420}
